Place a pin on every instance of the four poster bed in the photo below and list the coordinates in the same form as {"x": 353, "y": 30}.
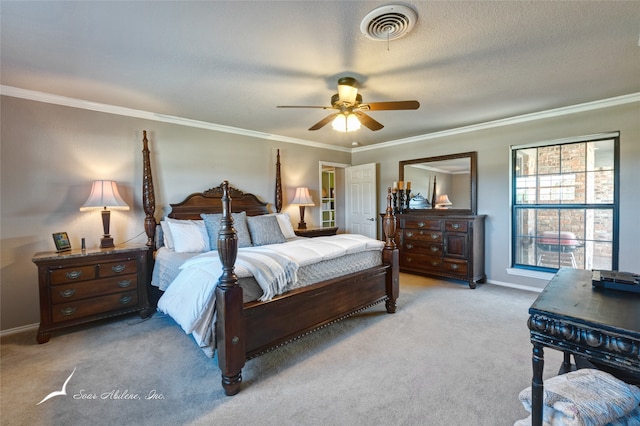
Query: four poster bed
{"x": 248, "y": 312}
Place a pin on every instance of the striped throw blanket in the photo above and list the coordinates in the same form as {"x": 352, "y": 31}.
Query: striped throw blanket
{"x": 272, "y": 271}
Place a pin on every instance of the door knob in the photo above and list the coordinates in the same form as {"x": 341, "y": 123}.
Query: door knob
{"x": 371, "y": 219}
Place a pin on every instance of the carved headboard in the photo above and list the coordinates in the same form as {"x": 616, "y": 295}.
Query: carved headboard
{"x": 210, "y": 201}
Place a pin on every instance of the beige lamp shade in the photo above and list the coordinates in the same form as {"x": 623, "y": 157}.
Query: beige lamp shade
{"x": 104, "y": 194}
{"x": 302, "y": 197}
{"x": 443, "y": 201}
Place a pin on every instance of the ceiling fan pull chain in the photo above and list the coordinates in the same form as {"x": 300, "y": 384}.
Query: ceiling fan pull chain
{"x": 388, "y": 39}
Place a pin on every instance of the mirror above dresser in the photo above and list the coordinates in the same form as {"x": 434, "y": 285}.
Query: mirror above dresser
{"x": 445, "y": 237}
{"x": 453, "y": 176}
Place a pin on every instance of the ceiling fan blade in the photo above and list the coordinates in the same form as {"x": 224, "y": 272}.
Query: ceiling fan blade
{"x": 324, "y": 121}
{"x": 367, "y": 121}
{"x": 387, "y": 106}
{"x": 303, "y": 106}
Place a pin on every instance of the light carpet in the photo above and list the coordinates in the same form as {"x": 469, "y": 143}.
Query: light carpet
{"x": 449, "y": 356}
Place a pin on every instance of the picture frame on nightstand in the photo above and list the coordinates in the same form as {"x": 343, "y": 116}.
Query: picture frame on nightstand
{"x": 61, "y": 240}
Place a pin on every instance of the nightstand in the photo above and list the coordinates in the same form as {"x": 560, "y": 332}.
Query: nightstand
{"x": 316, "y": 232}
{"x": 82, "y": 286}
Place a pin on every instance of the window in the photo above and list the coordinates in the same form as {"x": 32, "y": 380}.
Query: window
{"x": 565, "y": 204}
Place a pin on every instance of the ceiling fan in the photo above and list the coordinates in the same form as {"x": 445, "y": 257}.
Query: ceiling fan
{"x": 349, "y": 106}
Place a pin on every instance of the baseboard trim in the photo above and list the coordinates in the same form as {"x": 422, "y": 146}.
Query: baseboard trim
{"x": 518, "y": 286}
{"x": 17, "y": 330}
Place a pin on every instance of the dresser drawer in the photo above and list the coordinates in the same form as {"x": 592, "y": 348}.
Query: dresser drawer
{"x": 422, "y": 235}
{"x": 83, "y": 308}
{"x": 433, "y": 225}
{"x": 421, "y": 261}
{"x": 455, "y": 226}
{"x": 71, "y": 292}
{"x": 455, "y": 266}
{"x": 422, "y": 247}
{"x": 75, "y": 274}
{"x": 118, "y": 268}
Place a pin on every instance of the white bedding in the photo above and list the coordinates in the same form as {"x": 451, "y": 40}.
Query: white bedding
{"x": 190, "y": 299}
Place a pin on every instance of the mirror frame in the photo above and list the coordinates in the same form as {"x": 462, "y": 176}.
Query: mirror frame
{"x": 472, "y": 181}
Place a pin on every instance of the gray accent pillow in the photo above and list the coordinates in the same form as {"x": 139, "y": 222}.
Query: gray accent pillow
{"x": 265, "y": 230}
{"x": 212, "y": 223}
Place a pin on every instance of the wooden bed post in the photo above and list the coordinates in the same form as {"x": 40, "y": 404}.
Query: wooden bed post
{"x": 230, "y": 337}
{"x": 278, "y": 184}
{"x": 390, "y": 256}
{"x": 148, "y": 194}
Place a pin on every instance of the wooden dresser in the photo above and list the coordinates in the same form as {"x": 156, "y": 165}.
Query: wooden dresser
{"x": 81, "y": 286}
{"x": 442, "y": 245}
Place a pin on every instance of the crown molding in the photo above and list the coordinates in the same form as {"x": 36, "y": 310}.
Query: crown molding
{"x": 146, "y": 115}
{"x": 37, "y": 96}
{"x": 541, "y": 115}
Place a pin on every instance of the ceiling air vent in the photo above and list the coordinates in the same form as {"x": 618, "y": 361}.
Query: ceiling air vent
{"x": 388, "y": 22}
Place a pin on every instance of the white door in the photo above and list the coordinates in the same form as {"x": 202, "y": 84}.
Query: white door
{"x": 360, "y": 202}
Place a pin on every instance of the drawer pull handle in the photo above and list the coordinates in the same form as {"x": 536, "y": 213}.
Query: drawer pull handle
{"x": 408, "y": 259}
{"x": 409, "y": 246}
{"x": 409, "y": 234}
{"x": 434, "y": 236}
{"x": 118, "y": 268}
{"x": 68, "y": 292}
{"x": 454, "y": 266}
{"x": 434, "y": 263}
{"x": 125, "y": 299}
{"x": 420, "y": 224}
{"x": 124, "y": 283}
{"x": 73, "y": 275}
{"x": 455, "y": 226}
{"x": 68, "y": 311}
{"x": 434, "y": 249}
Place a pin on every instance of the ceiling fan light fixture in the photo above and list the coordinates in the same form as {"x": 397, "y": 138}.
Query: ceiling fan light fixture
{"x": 347, "y": 93}
{"x": 388, "y": 22}
{"x": 346, "y": 123}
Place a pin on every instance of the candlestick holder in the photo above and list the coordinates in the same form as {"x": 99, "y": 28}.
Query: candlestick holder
{"x": 395, "y": 201}
{"x": 401, "y": 200}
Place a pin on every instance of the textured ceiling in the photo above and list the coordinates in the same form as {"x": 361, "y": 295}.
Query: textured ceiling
{"x": 231, "y": 63}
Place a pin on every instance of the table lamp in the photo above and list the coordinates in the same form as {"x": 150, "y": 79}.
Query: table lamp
{"x": 302, "y": 198}
{"x": 104, "y": 195}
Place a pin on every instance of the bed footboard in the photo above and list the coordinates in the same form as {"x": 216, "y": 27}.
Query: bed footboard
{"x": 244, "y": 331}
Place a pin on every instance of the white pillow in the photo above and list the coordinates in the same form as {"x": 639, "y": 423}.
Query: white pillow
{"x": 285, "y": 225}
{"x": 167, "y": 239}
{"x": 189, "y": 236}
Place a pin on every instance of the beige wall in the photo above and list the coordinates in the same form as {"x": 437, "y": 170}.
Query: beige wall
{"x": 50, "y": 154}
{"x": 493, "y": 147}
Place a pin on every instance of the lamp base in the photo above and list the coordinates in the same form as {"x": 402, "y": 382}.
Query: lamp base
{"x": 302, "y": 225}
{"x": 106, "y": 242}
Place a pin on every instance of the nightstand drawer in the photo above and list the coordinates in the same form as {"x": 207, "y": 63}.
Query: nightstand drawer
{"x": 118, "y": 268}
{"x": 83, "y": 308}
{"x": 69, "y": 275}
{"x": 71, "y": 292}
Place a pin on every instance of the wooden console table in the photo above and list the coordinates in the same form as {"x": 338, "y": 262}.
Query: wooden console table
{"x": 600, "y": 325}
